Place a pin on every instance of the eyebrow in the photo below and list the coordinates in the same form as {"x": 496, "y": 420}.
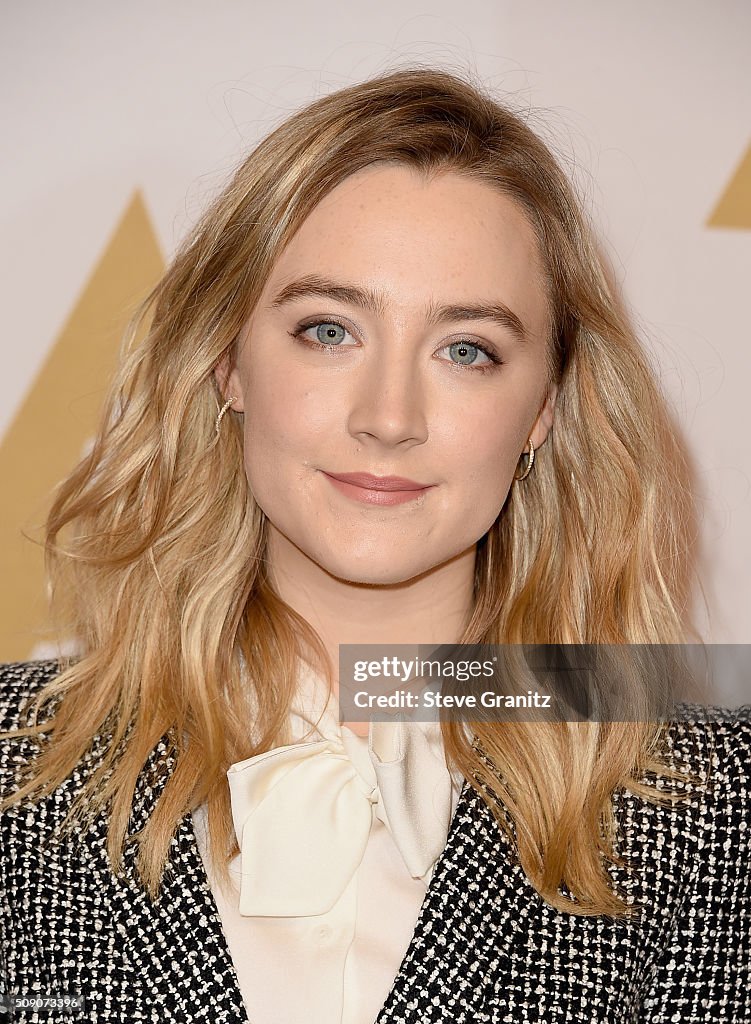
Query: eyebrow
{"x": 312, "y": 285}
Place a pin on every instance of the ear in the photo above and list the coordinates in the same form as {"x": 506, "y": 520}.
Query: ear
{"x": 544, "y": 420}
{"x": 227, "y": 379}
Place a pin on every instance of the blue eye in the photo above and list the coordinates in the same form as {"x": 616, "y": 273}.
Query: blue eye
{"x": 330, "y": 333}
{"x": 464, "y": 353}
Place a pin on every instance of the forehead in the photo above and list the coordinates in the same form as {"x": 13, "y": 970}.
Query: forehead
{"x": 416, "y": 238}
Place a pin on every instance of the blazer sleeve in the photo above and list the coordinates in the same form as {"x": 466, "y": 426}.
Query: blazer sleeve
{"x": 704, "y": 974}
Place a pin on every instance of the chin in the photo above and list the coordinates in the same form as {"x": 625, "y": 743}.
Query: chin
{"x": 374, "y": 571}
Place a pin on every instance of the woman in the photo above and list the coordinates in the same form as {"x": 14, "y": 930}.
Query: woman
{"x": 387, "y": 396}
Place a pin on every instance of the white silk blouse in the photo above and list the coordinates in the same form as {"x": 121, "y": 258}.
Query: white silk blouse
{"x": 339, "y": 835}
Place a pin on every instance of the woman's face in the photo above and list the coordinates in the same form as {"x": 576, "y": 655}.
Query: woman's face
{"x": 402, "y": 333}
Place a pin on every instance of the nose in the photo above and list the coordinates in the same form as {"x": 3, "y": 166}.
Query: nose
{"x": 388, "y": 405}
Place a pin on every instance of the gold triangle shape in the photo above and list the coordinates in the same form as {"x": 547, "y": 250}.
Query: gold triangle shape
{"x": 58, "y": 417}
{"x": 734, "y": 207}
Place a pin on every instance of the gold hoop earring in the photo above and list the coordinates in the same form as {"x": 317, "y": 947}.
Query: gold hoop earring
{"x": 220, "y": 414}
{"x": 530, "y": 461}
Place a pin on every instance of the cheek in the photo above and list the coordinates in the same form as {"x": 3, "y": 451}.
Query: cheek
{"x": 486, "y": 446}
{"x": 284, "y": 423}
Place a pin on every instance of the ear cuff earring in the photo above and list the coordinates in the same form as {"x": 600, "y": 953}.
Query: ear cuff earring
{"x": 530, "y": 461}
{"x": 220, "y": 414}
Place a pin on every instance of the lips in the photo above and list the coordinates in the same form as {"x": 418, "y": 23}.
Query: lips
{"x": 381, "y": 491}
{"x": 379, "y": 483}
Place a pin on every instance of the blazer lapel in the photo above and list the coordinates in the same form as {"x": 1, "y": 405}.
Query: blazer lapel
{"x": 476, "y": 912}
{"x": 175, "y": 952}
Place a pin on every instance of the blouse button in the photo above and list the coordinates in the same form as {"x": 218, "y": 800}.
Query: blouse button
{"x": 324, "y": 932}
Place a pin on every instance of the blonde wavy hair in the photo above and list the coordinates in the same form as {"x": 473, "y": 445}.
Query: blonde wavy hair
{"x": 156, "y": 546}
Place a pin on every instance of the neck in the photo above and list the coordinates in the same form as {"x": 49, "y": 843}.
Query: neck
{"x": 432, "y": 608}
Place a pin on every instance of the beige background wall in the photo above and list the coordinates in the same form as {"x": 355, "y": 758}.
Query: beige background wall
{"x": 119, "y": 121}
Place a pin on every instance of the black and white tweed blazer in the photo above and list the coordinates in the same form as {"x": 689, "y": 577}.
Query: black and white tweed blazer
{"x": 485, "y": 948}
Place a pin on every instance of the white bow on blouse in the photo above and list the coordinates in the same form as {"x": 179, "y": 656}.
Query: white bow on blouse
{"x": 303, "y": 812}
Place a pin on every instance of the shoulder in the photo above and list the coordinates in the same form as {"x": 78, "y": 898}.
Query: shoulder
{"x": 20, "y": 683}
{"x": 707, "y": 827}
{"x": 715, "y": 740}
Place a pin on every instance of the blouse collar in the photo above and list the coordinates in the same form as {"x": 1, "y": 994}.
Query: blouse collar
{"x": 303, "y": 812}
